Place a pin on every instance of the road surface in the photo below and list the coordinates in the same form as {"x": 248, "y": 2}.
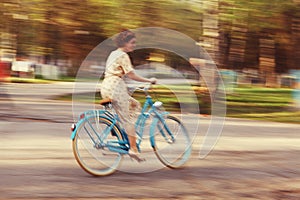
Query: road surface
{"x": 251, "y": 160}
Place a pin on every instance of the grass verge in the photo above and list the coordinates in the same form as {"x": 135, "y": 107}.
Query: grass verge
{"x": 269, "y": 104}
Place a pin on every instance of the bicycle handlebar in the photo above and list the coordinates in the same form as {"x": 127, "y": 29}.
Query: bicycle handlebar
{"x": 145, "y": 88}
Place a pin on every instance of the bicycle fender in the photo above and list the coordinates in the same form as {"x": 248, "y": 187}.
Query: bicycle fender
{"x": 78, "y": 124}
{"x": 76, "y": 127}
{"x": 152, "y": 131}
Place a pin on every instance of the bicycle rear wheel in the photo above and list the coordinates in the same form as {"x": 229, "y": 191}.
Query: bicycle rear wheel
{"x": 93, "y": 157}
{"x": 172, "y": 142}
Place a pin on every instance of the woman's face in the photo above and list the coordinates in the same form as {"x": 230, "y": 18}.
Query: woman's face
{"x": 129, "y": 46}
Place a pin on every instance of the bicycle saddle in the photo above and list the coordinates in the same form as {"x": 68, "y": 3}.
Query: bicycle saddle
{"x": 105, "y": 102}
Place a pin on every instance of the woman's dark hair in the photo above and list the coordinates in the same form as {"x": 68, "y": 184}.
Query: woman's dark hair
{"x": 124, "y": 37}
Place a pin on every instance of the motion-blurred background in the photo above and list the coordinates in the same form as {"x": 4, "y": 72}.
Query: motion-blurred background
{"x": 260, "y": 36}
{"x": 254, "y": 43}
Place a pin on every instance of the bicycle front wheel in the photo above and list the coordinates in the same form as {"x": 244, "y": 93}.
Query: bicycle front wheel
{"x": 90, "y": 146}
{"x": 172, "y": 142}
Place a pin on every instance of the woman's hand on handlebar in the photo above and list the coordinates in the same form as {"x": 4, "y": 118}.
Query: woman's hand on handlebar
{"x": 153, "y": 80}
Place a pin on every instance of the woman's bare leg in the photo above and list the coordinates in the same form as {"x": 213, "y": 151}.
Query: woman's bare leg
{"x": 134, "y": 109}
{"x": 132, "y": 137}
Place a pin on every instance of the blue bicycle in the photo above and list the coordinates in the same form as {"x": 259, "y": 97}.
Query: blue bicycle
{"x": 99, "y": 142}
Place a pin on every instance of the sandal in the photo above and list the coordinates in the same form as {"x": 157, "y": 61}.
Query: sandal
{"x": 135, "y": 155}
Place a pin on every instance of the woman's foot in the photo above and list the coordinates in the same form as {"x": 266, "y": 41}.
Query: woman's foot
{"x": 134, "y": 153}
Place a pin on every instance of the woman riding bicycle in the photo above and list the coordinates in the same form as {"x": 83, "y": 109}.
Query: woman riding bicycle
{"x": 118, "y": 65}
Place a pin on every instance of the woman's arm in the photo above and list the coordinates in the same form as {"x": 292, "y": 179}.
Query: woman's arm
{"x": 132, "y": 75}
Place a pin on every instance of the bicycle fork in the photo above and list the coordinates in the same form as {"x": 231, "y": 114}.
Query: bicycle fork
{"x": 161, "y": 130}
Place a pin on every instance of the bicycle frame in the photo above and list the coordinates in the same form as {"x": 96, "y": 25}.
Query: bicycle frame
{"x": 145, "y": 114}
{"x": 115, "y": 121}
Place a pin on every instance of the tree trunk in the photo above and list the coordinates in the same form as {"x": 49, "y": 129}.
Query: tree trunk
{"x": 267, "y": 61}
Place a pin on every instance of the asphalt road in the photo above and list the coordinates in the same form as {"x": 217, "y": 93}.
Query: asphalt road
{"x": 251, "y": 160}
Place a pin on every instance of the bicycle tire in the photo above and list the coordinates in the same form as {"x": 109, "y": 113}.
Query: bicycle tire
{"x": 173, "y": 153}
{"x": 95, "y": 161}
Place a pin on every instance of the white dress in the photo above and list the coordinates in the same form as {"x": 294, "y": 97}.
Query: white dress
{"x": 114, "y": 87}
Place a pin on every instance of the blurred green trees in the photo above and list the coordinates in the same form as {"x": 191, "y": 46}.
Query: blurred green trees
{"x": 249, "y": 32}
{"x": 268, "y": 27}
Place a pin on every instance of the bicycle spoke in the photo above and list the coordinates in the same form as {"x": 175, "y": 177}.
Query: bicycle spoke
{"x": 91, "y": 146}
{"x": 172, "y": 143}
